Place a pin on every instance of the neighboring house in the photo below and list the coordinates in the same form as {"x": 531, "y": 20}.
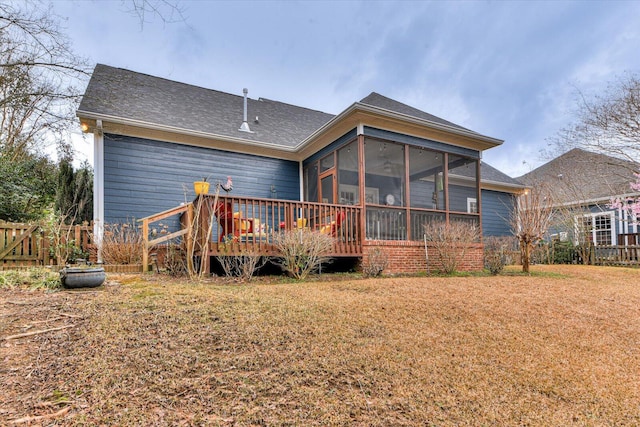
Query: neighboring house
{"x": 583, "y": 184}
{"x": 395, "y": 166}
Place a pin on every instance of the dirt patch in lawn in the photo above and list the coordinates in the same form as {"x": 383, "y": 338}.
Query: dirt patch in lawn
{"x": 552, "y": 349}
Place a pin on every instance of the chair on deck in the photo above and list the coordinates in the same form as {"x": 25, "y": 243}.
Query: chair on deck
{"x": 248, "y": 228}
{"x": 224, "y": 213}
{"x": 333, "y": 226}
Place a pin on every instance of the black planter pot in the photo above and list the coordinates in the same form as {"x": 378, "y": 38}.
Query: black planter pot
{"x": 78, "y": 277}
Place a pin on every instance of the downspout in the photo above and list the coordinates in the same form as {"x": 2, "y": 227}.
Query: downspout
{"x": 301, "y": 180}
{"x": 98, "y": 187}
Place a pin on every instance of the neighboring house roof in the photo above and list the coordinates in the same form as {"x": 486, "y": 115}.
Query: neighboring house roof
{"x": 580, "y": 176}
{"x": 493, "y": 177}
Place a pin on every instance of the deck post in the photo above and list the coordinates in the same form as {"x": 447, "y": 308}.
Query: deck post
{"x": 145, "y": 246}
{"x": 361, "y": 180}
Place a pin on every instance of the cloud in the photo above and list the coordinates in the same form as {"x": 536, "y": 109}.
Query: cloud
{"x": 504, "y": 69}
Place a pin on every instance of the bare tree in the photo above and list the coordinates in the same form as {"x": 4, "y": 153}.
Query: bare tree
{"x": 41, "y": 76}
{"x": 167, "y": 11}
{"x": 39, "y": 79}
{"x": 608, "y": 123}
{"x": 530, "y": 219}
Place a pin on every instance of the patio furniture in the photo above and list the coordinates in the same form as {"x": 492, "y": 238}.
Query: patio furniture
{"x": 333, "y": 226}
{"x": 224, "y": 213}
{"x": 248, "y": 228}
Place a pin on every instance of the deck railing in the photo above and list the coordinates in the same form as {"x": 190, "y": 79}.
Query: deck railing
{"x": 243, "y": 224}
{"x": 629, "y": 239}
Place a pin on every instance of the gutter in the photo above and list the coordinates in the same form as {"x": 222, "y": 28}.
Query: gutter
{"x": 154, "y": 126}
{"x": 596, "y": 201}
{"x": 502, "y": 185}
{"x": 357, "y": 106}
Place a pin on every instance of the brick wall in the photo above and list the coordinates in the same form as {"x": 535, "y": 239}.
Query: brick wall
{"x": 409, "y": 257}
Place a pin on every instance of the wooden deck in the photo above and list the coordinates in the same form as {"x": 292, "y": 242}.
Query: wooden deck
{"x": 250, "y": 225}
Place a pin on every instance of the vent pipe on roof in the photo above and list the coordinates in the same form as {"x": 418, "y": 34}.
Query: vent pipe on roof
{"x": 244, "y": 127}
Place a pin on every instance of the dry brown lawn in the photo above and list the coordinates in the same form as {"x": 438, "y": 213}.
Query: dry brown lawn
{"x": 551, "y": 349}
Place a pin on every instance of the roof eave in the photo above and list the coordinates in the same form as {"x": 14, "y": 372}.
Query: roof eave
{"x": 503, "y": 186}
{"x": 596, "y": 200}
{"x": 484, "y": 142}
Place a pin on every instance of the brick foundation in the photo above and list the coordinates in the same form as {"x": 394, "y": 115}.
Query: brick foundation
{"x": 409, "y": 257}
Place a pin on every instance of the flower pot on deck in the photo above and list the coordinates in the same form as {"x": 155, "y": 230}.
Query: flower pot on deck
{"x": 82, "y": 277}
{"x": 201, "y": 187}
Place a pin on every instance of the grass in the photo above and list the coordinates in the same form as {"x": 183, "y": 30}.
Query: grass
{"x": 560, "y": 347}
{"x": 32, "y": 278}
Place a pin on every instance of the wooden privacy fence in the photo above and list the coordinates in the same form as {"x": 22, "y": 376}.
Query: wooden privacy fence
{"x": 28, "y": 245}
{"x": 628, "y": 255}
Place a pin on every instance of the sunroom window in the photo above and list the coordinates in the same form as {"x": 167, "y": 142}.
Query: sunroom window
{"x": 384, "y": 170}
{"x": 426, "y": 178}
{"x": 462, "y": 182}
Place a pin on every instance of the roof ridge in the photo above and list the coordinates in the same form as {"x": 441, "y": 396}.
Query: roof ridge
{"x": 172, "y": 81}
{"x": 211, "y": 90}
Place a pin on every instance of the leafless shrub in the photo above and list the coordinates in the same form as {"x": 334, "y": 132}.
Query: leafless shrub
{"x": 376, "y": 262}
{"x": 303, "y": 251}
{"x": 243, "y": 265}
{"x": 122, "y": 243}
{"x": 496, "y": 253}
{"x": 450, "y": 242}
{"x": 60, "y": 232}
{"x": 175, "y": 260}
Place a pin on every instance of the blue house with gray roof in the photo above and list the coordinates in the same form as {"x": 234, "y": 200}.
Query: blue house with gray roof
{"x": 376, "y": 172}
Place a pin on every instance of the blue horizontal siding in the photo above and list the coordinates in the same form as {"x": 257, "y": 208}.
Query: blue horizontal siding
{"x": 496, "y": 209}
{"x": 143, "y": 177}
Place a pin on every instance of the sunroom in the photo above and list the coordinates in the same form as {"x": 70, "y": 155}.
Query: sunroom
{"x": 403, "y": 182}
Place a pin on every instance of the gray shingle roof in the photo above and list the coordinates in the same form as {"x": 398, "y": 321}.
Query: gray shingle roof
{"x": 489, "y": 173}
{"x": 154, "y": 100}
{"x": 128, "y": 95}
{"x": 377, "y": 100}
{"x": 580, "y": 175}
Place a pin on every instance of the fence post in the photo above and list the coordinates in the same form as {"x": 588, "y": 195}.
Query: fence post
{"x": 46, "y": 260}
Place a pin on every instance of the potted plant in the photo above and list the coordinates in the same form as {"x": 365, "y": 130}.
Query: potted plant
{"x": 86, "y": 276}
{"x": 201, "y": 187}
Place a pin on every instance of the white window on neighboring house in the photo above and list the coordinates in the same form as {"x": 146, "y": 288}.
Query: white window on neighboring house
{"x": 598, "y": 228}
{"x": 562, "y": 236}
{"x": 472, "y": 205}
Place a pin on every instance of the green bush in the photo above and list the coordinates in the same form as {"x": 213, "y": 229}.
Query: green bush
{"x": 563, "y": 252}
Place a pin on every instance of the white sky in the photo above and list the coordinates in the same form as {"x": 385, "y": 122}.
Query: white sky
{"x": 505, "y": 69}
